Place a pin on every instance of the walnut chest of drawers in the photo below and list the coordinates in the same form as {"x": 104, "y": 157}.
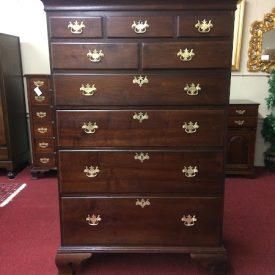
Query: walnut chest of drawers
{"x": 141, "y": 92}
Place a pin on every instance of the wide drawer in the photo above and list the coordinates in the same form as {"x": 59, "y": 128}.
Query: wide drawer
{"x": 140, "y": 128}
{"x": 188, "y": 88}
{"x": 140, "y": 26}
{"x": 94, "y": 55}
{"x": 43, "y": 129}
{"x": 42, "y": 114}
{"x": 138, "y": 221}
{"x": 44, "y": 145}
{"x": 193, "y": 54}
{"x": 242, "y": 122}
{"x": 141, "y": 171}
{"x": 75, "y": 27}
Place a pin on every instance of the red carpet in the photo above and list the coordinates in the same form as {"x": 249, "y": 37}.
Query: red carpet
{"x": 29, "y": 229}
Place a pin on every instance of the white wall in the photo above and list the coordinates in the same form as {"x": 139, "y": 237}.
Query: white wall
{"x": 26, "y": 19}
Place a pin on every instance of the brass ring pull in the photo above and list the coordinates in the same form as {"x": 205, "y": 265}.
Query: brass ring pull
{"x": 142, "y": 203}
{"x": 239, "y": 122}
{"x": 189, "y": 220}
{"x": 44, "y": 160}
{"x": 76, "y": 27}
{"x": 88, "y": 90}
{"x": 140, "y": 116}
{"x": 42, "y": 130}
{"x": 204, "y": 26}
{"x": 190, "y": 127}
{"x": 192, "y": 89}
{"x": 140, "y": 27}
{"x": 141, "y": 156}
{"x": 140, "y": 80}
{"x": 186, "y": 55}
{"x": 41, "y": 114}
{"x": 240, "y": 112}
{"x": 43, "y": 145}
{"x": 39, "y": 98}
{"x": 89, "y": 127}
{"x": 93, "y": 220}
{"x": 95, "y": 56}
{"x": 190, "y": 171}
{"x": 91, "y": 172}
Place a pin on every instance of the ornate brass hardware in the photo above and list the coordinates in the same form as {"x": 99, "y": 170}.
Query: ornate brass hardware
{"x": 204, "y": 26}
{"x": 44, "y": 160}
{"x": 192, "y": 89}
{"x": 43, "y": 145}
{"x": 240, "y": 112}
{"x": 93, "y": 220}
{"x": 95, "y": 55}
{"x": 39, "y": 98}
{"x": 141, "y": 156}
{"x": 140, "y": 80}
{"x": 140, "y": 116}
{"x": 189, "y": 220}
{"x": 190, "y": 127}
{"x": 88, "y": 90}
{"x": 76, "y": 27}
{"x": 41, "y": 114}
{"x": 186, "y": 55}
{"x": 91, "y": 172}
{"x": 190, "y": 171}
{"x": 89, "y": 127}
{"x": 239, "y": 122}
{"x": 142, "y": 203}
{"x": 38, "y": 83}
{"x": 42, "y": 130}
{"x": 140, "y": 27}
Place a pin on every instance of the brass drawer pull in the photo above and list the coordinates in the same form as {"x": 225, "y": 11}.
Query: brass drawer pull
{"x": 41, "y": 114}
{"x": 140, "y": 116}
{"x": 186, "y": 55}
{"x": 93, "y": 220}
{"x": 76, "y": 27}
{"x": 140, "y": 80}
{"x": 190, "y": 127}
{"x": 91, "y": 172}
{"x": 43, "y": 145}
{"x": 239, "y": 122}
{"x": 142, "y": 203}
{"x": 240, "y": 112}
{"x": 189, "y": 220}
{"x": 89, "y": 127}
{"x": 88, "y": 90}
{"x": 44, "y": 160}
{"x": 42, "y": 130}
{"x": 39, "y": 98}
{"x": 192, "y": 89}
{"x": 141, "y": 156}
{"x": 38, "y": 83}
{"x": 204, "y": 26}
{"x": 140, "y": 27}
{"x": 190, "y": 171}
{"x": 95, "y": 56}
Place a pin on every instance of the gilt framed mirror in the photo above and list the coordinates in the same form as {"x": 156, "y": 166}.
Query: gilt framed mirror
{"x": 261, "y": 52}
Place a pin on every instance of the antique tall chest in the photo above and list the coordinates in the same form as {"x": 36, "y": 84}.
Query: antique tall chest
{"x": 141, "y": 90}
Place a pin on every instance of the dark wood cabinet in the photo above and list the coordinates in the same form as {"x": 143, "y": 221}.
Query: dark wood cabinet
{"x": 141, "y": 94}
{"x": 14, "y": 143}
{"x": 242, "y": 127}
{"x": 42, "y": 124}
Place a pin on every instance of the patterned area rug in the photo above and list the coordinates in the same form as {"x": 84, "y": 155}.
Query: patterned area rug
{"x": 8, "y": 191}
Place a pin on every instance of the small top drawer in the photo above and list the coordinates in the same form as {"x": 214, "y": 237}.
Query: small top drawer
{"x": 75, "y": 27}
{"x": 140, "y": 26}
{"x": 243, "y": 110}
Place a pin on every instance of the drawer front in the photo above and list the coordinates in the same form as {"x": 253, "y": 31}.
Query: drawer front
{"x": 141, "y": 128}
{"x": 94, "y": 56}
{"x": 39, "y": 91}
{"x": 242, "y": 122}
{"x": 243, "y": 110}
{"x": 42, "y": 114}
{"x": 44, "y": 160}
{"x": 140, "y": 26}
{"x": 44, "y": 145}
{"x": 42, "y": 130}
{"x": 147, "y": 89}
{"x": 206, "y": 24}
{"x": 166, "y": 221}
{"x": 141, "y": 171}
{"x": 75, "y": 27}
{"x": 179, "y": 55}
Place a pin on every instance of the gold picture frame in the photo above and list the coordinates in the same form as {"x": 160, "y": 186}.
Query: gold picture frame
{"x": 237, "y": 38}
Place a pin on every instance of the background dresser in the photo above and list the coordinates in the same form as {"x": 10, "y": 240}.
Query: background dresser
{"x": 14, "y": 143}
{"x": 242, "y": 127}
{"x": 141, "y": 93}
{"x": 42, "y": 123}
